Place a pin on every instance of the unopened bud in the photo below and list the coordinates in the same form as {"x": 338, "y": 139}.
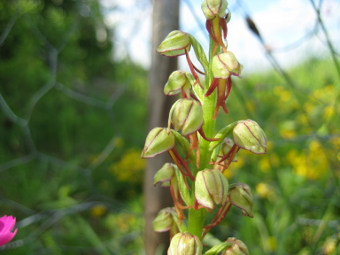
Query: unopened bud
{"x": 175, "y": 44}
{"x": 185, "y": 244}
{"x": 241, "y": 197}
{"x": 157, "y": 142}
{"x": 225, "y": 64}
{"x": 165, "y": 174}
{"x": 178, "y": 81}
{"x": 237, "y": 247}
{"x": 187, "y": 114}
{"x": 211, "y": 187}
{"x": 213, "y": 8}
{"x": 248, "y": 135}
{"x": 164, "y": 220}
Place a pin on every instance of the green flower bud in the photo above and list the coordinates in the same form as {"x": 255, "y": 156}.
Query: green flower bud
{"x": 211, "y": 187}
{"x": 225, "y": 64}
{"x": 165, "y": 174}
{"x": 164, "y": 220}
{"x": 175, "y": 44}
{"x": 237, "y": 247}
{"x": 157, "y": 142}
{"x": 241, "y": 197}
{"x": 178, "y": 81}
{"x": 248, "y": 135}
{"x": 185, "y": 244}
{"x": 187, "y": 114}
{"x": 213, "y": 8}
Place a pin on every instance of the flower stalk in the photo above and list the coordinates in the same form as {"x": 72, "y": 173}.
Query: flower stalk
{"x": 200, "y": 154}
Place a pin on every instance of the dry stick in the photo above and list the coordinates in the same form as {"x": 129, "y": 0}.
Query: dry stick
{"x": 329, "y": 43}
{"x": 8, "y": 28}
{"x": 331, "y": 49}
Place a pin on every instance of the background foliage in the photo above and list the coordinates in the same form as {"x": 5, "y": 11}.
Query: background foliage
{"x": 73, "y": 122}
{"x": 70, "y": 131}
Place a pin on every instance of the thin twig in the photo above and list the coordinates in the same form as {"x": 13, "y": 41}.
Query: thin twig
{"x": 8, "y": 28}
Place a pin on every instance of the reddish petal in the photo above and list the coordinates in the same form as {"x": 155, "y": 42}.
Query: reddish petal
{"x": 6, "y": 237}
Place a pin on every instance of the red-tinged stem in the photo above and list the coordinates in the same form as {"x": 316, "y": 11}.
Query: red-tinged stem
{"x": 224, "y": 27}
{"x": 230, "y": 152}
{"x": 229, "y": 85}
{"x": 184, "y": 173}
{"x": 218, "y": 217}
{"x": 194, "y": 145}
{"x": 177, "y": 204}
{"x": 221, "y": 97}
{"x": 212, "y": 87}
{"x": 192, "y": 70}
{"x": 194, "y": 97}
{"x": 209, "y": 25}
{"x": 184, "y": 94}
{"x": 206, "y": 138}
{"x": 198, "y": 70}
{"x": 230, "y": 156}
{"x": 179, "y": 161}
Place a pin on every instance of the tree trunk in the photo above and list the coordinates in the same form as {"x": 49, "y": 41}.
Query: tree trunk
{"x": 164, "y": 20}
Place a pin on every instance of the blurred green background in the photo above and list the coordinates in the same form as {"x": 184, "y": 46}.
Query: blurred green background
{"x": 73, "y": 123}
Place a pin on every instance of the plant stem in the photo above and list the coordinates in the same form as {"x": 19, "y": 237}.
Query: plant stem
{"x": 196, "y": 221}
{"x": 196, "y": 218}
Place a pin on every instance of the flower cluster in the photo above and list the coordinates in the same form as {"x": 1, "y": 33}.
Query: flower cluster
{"x": 200, "y": 155}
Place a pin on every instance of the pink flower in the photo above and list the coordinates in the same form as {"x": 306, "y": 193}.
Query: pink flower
{"x": 6, "y": 225}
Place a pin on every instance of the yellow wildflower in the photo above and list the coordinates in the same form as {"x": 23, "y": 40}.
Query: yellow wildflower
{"x": 264, "y": 164}
{"x": 312, "y": 163}
{"x": 264, "y": 190}
{"x": 328, "y": 112}
{"x": 272, "y": 243}
{"x": 130, "y": 167}
{"x": 98, "y": 210}
{"x": 329, "y": 246}
{"x": 283, "y": 94}
{"x": 288, "y": 133}
{"x": 308, "y": 107}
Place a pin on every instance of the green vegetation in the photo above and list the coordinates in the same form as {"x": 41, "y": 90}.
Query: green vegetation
{"x": 71, "y": 126}
{"x": 297, "y": 181}
{"x": 70, "y": 196}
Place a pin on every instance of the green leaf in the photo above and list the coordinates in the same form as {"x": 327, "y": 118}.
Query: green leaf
{"x": 222, "y": 134}
{"x": 199, "y": 53}
{"x": 185, "y": 194}
{"x": 184, "y": 143}
{"x": 218, "y": 248}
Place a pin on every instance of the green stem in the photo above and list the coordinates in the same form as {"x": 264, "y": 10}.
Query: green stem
{"x": 196, "y": 221}
{"x": 209, "y": 104}
{"x": 196, "y": 218}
